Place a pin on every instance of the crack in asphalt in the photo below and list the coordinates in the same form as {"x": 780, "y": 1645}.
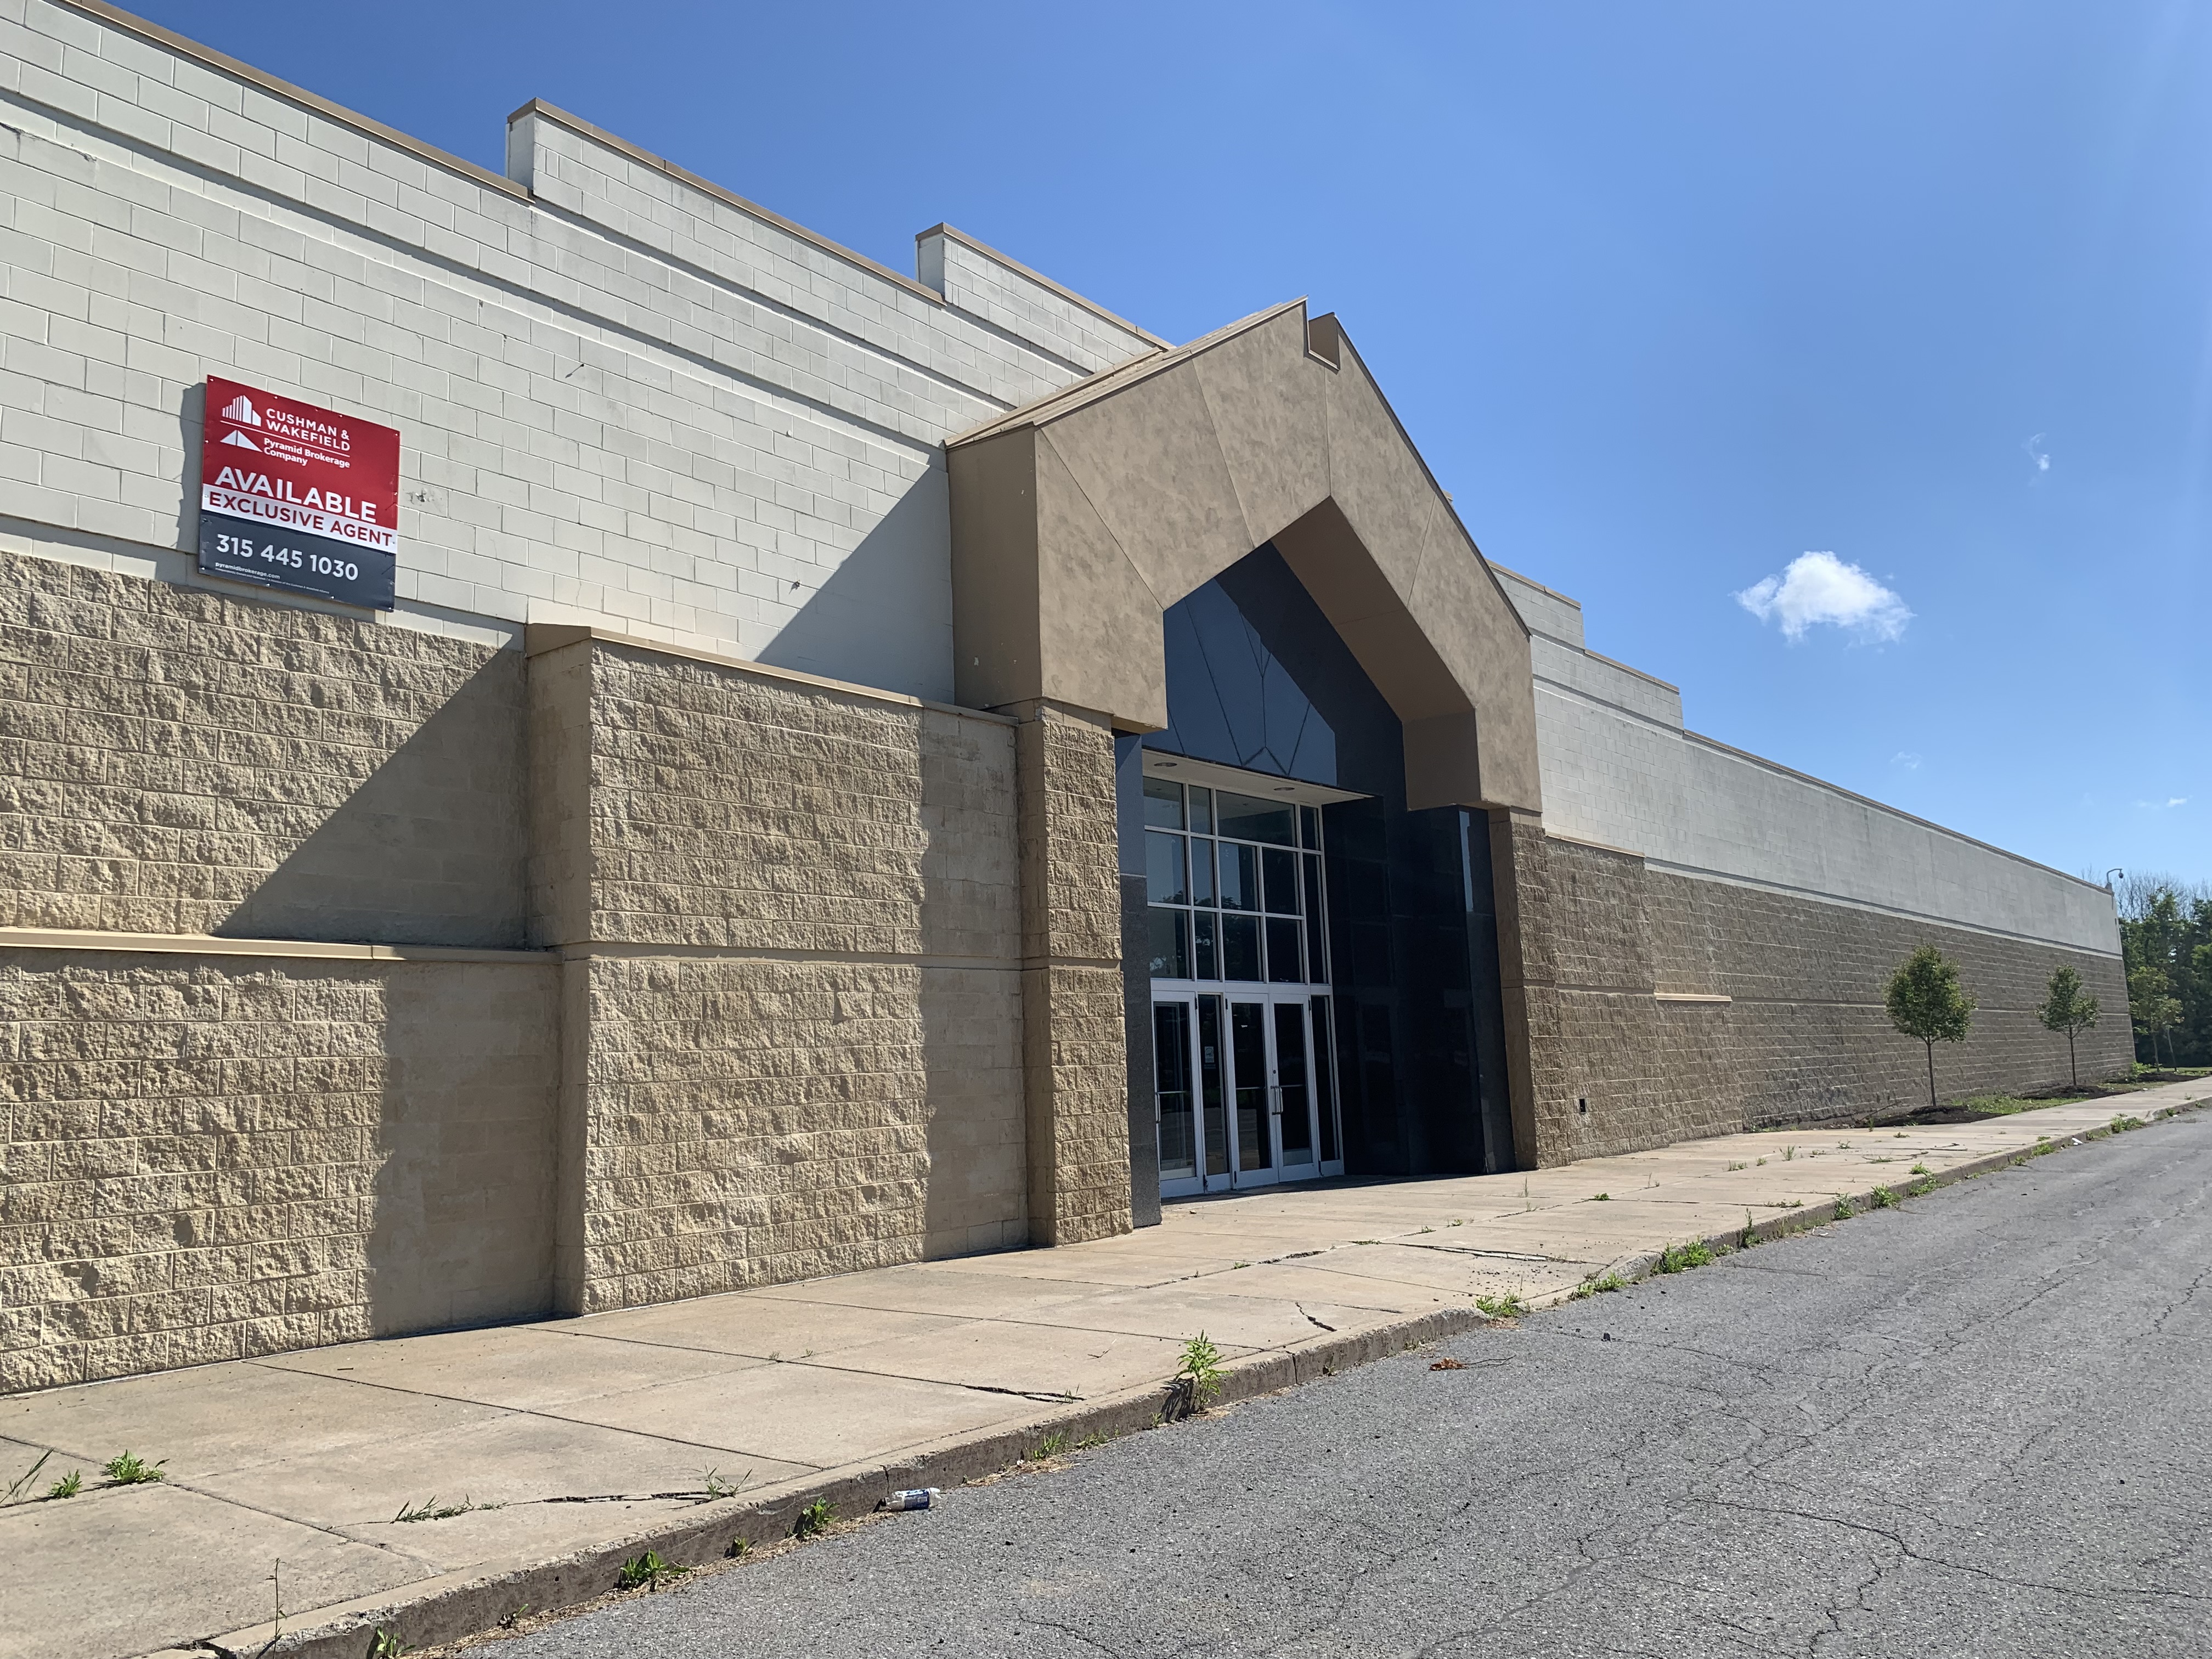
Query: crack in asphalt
{"x": 1965, "y": 1426}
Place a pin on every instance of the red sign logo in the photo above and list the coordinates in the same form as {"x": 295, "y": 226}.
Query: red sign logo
{"x": 292, "y": 466}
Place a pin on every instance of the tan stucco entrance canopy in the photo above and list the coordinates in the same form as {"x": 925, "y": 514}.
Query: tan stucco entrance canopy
{"x": 1078, "y": 519}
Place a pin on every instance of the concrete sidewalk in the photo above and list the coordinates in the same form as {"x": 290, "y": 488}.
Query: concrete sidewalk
{"x": 578, "y": 1443}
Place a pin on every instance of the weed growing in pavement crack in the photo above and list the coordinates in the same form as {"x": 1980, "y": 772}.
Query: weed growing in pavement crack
{"x": 1734, "y": 1167}
{"x": 1844, "y": 1208}
{"x": 1591, "y": 1287}
{"x": 1680, "y": 1258}
{"x": 1788, "y": 1153}
{"x": 431, "y": 1510}
{"x": 1921, "y": 1189}
{"x": 711, "y": 1483}
{"x": 1200, "y": 1373}
{"x": 2123, "y": 1123}
{"x": 814, "y": 1519}
{"x": 1922, "y": 1169}
{"x": 1051, "y": 1446}
{"x": 69, "y": 1486}
{"x": 386, "y": 1644}
{"x": 646, "y": 1571}
{"x": 1602, "y": 1198}
{"x": 514, "y": 1619}
{"x": 739, "y": 1548}
{"x": 129, "y": 1469}
{"x": 1507, "y": 1306}
{"x": 1750, "y": 1233}
{"x": 27, "y": 1477}
{"x": 1884, "y": 1198}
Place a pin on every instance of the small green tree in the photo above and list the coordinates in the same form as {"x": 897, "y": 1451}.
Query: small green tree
{"x": 2152, "y": 1004}
{"x": 1927, "y": 1002}
{"x": 2069, "y": 1011}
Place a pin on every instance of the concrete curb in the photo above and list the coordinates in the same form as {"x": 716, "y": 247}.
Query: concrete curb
{"x": 427, "y": 1615}
{"x": 1633, "y": 1268}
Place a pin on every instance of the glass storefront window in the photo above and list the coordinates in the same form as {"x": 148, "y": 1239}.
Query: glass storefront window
{"x": 1240, "y": 876}
{"x": 1163, "y": 804}
{"x": 1164, "y": 880}
{"x": 1316, "y": 953}
{"x": 1325, "y": 1078}
{"x": 1249, "y": 818}
{"x": 1170, "y": 943}
{"x": 1242, "y": 903}
{"x": 1240, "y": 947}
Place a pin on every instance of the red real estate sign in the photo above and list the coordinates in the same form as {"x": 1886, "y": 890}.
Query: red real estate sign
{"x": 298, "y": 497}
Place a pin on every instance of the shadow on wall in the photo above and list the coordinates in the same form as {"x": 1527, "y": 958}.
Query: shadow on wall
{"x": 460, "y": 1230}
{"x": 884, "y": 618}
{"x": 975, "y": 1196}
{"x": 428, "y": 849}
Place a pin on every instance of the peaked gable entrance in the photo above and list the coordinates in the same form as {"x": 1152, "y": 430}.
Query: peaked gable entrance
{"x": 1079, "y": 520}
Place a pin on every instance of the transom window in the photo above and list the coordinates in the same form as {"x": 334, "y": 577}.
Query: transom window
{"x": 1235, "y": 883}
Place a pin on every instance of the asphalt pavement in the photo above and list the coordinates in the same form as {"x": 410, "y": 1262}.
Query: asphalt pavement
{"x": 1976, "y": 1425}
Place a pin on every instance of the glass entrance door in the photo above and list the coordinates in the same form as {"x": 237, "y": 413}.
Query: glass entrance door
{"x": 1252, "y": 1083}
{"x": 1241, "y": 1038}
{"x": 1239, "y": 1099}
{"x": 1174, "y": 1096}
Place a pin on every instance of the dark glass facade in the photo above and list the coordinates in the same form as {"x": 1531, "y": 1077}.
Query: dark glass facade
{"x": 1257, "y": 679}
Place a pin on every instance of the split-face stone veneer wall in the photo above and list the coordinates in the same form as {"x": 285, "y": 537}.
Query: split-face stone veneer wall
{"x": 1674, "y": 1007}
{"x": 357, "y": 981}
{"x": 803, "y": 961}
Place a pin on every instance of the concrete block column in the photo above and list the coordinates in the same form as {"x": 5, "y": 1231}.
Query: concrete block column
{"x": 1524, "y": 968}
{"x": 1075, "y": 1057}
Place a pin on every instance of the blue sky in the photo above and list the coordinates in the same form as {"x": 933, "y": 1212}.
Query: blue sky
{"x": 1668, "y": 295}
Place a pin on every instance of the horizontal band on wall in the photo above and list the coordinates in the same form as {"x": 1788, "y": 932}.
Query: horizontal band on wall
{"x": 1693, "y": 872}
{"x": 627, "y": 951}
{"x": 206, "y": 945}
{"x": 540, "y": 637}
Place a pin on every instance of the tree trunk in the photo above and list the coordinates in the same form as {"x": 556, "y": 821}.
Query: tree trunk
{"x": 2073, "y": 1068}
{"x": 1931, "y": 1076}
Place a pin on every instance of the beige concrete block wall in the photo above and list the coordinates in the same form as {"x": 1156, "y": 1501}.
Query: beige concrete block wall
{"x": 795, "y": 1035}
{"x": 173, "y": 761}
{"x": 212, "y": 1157}
{"x": 1074, "y": 1035}
{"x": 1678, "y": 1007}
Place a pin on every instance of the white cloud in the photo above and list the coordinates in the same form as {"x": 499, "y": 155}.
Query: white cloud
{"x": 1820, "y": 587}
{"x": 2171, "y": 801}
{"x": 2037, "y": 454}
{"x": 1910, "y": 763}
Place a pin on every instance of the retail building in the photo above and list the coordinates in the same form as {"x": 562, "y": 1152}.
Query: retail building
{"x": 855, "y": 766}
